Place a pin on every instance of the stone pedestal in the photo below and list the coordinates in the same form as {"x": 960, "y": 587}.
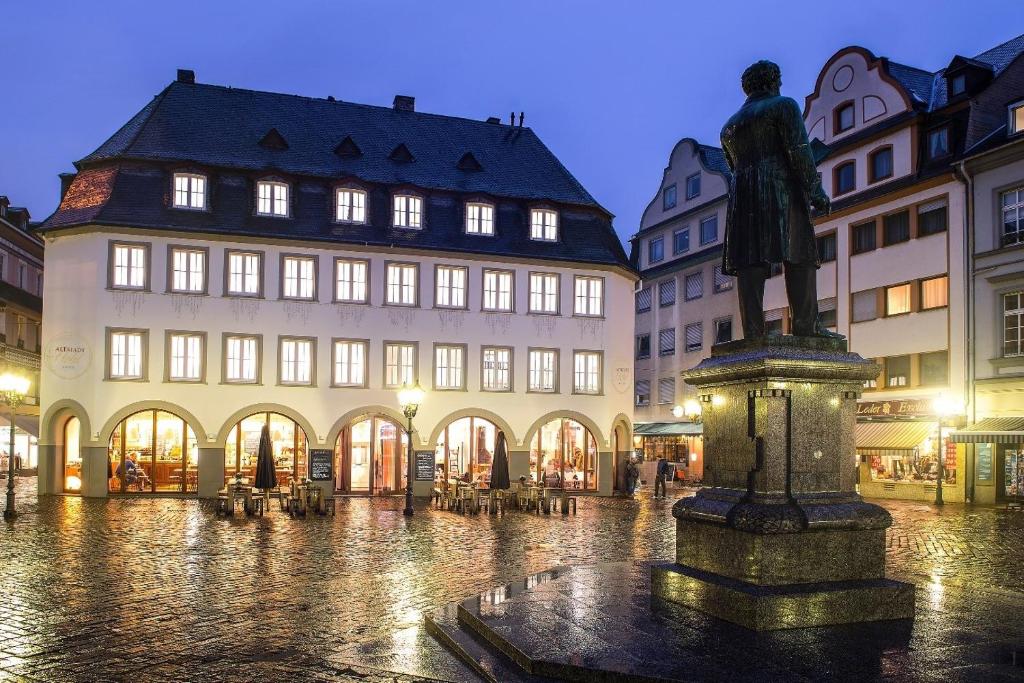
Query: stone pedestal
{"x": 779, "y": 538}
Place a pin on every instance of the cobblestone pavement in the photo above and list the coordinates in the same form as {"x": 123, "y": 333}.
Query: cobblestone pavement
{"x": 162, "y": 589}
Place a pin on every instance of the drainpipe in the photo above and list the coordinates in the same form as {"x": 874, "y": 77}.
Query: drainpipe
{"x": 962, "y": 174}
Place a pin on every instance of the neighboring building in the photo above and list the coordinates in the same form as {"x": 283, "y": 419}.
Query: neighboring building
{"x": 232, "y": 258}
{"x": 684, "y": 304}
{"x": 21, "y": 304}
{"x": 994, "y": 173}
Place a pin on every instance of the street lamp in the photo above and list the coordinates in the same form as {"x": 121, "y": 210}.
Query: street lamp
{"x": 944, "y": 407}
{"x": 410, "y": 398}
{"x": 13, "y": 389}
{"x": 692, "y": 410}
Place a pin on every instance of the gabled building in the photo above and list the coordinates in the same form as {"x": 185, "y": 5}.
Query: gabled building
{"x": 231, "y": 259}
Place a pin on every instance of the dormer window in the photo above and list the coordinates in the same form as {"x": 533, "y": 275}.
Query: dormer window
{"x": 408, "y": 211}
{"x": 479, "y": 218}
{"x": 189, "y": 191}
{"x": 693, "y": 186}
{"x": 845, "y": 178}
{"x": 271, "y": 198}
{"x": 844, "y": 120}
{"x": 881, "y": 164}
{"x": 543, "y": 225}
{"x": 351, "y": 206}
{"x": 958, "y": 84}
{"x": 938, "y": 143}
{"x": 1016, "y": 118}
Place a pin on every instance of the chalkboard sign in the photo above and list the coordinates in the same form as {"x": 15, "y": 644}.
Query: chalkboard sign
{"x": 424, "y": 465}
{"x": 320, "y": 464}
{"x": 984, "y": 460}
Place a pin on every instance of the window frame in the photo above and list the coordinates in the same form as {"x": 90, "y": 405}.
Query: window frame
{"x": 714, "y": 330}
{"x": 886, "y": 242}
{"x": 700, "y": 229}
{"x": 558, "y": 293}
{"x": 600, "y": 372}
{"x": 686, "y": 345}
{"x": 667, "y": 205}
{"x": 258, "y": 338}
{"x": 483, "y": 290}
{"x": 416, "y": 280}
{"x": 285, "y": 257}
{"x": 334, "y": 384}
{"x": 191, "y": 175}
{"x": 831, "y": 234}
{"x": 872, "y": 155}
{"x": 143, "y": 333}
{"x": 511, "y": 368}
{"x": 685, "y": 230}
{"x": 168, "y": 359}
{"x": 663, "y": 286}
{"x": 849, "y": 163}
{"x": 556, "y": 371}
{"x": 699, "y": 275}
{"x": 260, "y": 276}
{"x": 1001, "y": 208}
{"x": 837, "y": 117}
{"x": 910, "y": 299}
{"x": 887, "y": 366}
{"x": 853, "y": 305}
{"x": 576, "y": 279}
{"x": 465, "y": 287}
{"x": 1011, "y": 124}
{"x": 274, "y": 183}
{"x": 557, "y": 224}
{"x": 354, "y": 189}
{"x": 281, "y": 339}
{"x": 205, "y": 251}
{"x": 636, "y": 346}
{"x": 482, "y": 204}
{"x": 147, "y": 274}
{"x": 728, "y": 282}
{"x": 693, "y": 195}
{"x": 922, "y": 381}
{"x": 1018, "y": 313}
{"x": 663, "y": 353}
{"x": 853, "y": 237}
{"x": 407, "y": 212}
{"x": 338, "y": 260}
{"x": 650, "y": 249}
{"x": 920, "y": 298}
{"x": 928, "y": 142}
{"x": 463, "y": 374}
{"x": 415, "y": 361}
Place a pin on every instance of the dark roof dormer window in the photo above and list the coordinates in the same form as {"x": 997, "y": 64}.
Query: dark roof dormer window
{"x": 1016, "y": 124}
{"x": 408, "y": 211}
{"x": 544, "y": 225}
{"x": 350, "y": 205}
{"x": 274, "y": 140}
{"x": 958, "y": 84}
{"x": 468, "y": 162}
{"x": 401, "y": 154}
{"x": 348, "y": 149}
{"x": 479, "y": 218}
{"x": 271, "y": 198}
{"x": 938, "y": 143}
{"x": 189, "y": 191}
{"x": 843, "y": 118}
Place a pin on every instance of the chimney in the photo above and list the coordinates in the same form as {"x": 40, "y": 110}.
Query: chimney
{"x": 512, "y": 119}
{"x": 186, "y": 76}
{"x": 65, "y": 182}
{"x": 521, "y": 117}
{"x": 405, "y": 103}
{"x": 4, "y": 203}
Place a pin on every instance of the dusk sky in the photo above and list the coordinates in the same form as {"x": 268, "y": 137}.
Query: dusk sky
{"x": 609, "y": 87}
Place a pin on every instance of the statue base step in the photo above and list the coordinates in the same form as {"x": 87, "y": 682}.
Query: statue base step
{"x": 772, "y": 608}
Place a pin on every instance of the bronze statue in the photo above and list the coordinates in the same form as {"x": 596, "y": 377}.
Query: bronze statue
{"x": 773, "y": 185}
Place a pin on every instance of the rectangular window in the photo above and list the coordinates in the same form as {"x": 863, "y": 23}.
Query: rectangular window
{"x": 643, "y": 300}
{"x": 826, "y": 247}
{"x": 845, "y": 178}
{"x": 586, "y": 372}
{"x": 589, "y": 296}
{"x": 188, "y": 270}
{"x": 932, "y": 218}
{"x": 244, "y": 274}
{"x": 1016, "y": 118}
{"x": 897, "y": 299}
{"x": 129, "y": 268}
{"x": 242, "y": 360}
{"x": 543, "y": 370}
{"x": 450, "y": 286}
{"x": 708, "y": 230}
{"x": 126, "y": 355}
{"x": 642, "y": 392}
{"x": 844, "y": 119}
{"x": 827, "y": 315}
{"x": 694, "y": 337}
{"x": 351, "y": 279}
{"x": 958, "y": 84}
{"x": 1013, "y": 324}
{"x": 668, "y": 198}
{"x": 865, "y": 305}
{"x": 935, "y": 368}
{"x": 896, "y": 228}
{"x": 723, "y": 282}
{"x": 693, "y": 186}
{"x": 773, "y": 321}
{"x": 399, "y": 365}
{"x": 498, "y": 286}
{"x": 666, "y": 390}
{"x": 723, "y": 330}
{"x": 351, "y": 206}
{"x": 1013, "y": 216}
{"x": 350, "y": 363}
{"x": 643, "y": 346}
{"x": 271, "y": 198}
{"x": 543, "y": 225}
{"x": 667, "y": 341}
{"x": 449, "y": 367}
{"x": 935, "y": 292}
{"x": 296, "y": 361}
{"x": 667, "y": 293}
{"x": 938, "y": 143}
{"x": 401, "y": 284}
{"x": 864, "y": 237}
{"x": 694, "y": 286}
{"x": 655, "y": 250}
{"x": 186, "y": 357}
{"x": 897, "y": 371}
{"x": 189, "y": 191}
{"x": 408, "y": 211}
{"x": 681, "y": 241}
{"x": 881, "y": 164}
{"x": 479, "y": 218}
{"x": 497, "y": 368}
{"x": 299, "y": 277}
{"x": 543, "y": 293}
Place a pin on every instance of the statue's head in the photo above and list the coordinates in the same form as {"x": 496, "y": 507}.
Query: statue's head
{"x": 762, "y": 78}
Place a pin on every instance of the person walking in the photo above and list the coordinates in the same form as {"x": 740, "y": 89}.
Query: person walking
{"x": 659, "y": 480}
{"x": 632, "y": 475}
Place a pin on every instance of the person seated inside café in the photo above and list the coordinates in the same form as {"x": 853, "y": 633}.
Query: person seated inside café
{"x": 467, "y": 477}
{"x": 129, "y": 470}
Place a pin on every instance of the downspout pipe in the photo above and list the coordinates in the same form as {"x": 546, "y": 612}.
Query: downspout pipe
{"x": 964, "y": 176}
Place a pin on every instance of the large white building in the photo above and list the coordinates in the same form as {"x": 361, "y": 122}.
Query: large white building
{"x": 232, "y": 258}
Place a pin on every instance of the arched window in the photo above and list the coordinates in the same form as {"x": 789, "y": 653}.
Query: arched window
{"x": 466, "y": 445}
{"x": 73, "y": 455}
{"x": 287, "y": 440}
{"x": 564, "y": 453}
{"x": 370, "y": 455}
{"x": 153, "y": 451}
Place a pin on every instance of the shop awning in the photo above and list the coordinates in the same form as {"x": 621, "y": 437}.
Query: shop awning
{"x": 668, "y": 429}
{"x": 992, "y": 430}
{"x": 889, "y": 436}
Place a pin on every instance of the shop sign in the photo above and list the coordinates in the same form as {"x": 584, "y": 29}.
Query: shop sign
{"x": 620, "y": 379}
{"x": 983, "y": 459}
{"x": 902, "y": 407}
{"x": 321, "y": 464}
{"x": 950, "y": 455}
{"x": 67, "y": 357}
{"x": 424, "y": 465}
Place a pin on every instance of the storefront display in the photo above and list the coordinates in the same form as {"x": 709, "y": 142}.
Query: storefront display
{"x": 1013, "y": 473}
{"x": 153, "y": 451}
{"x": 287, "y": 440}
{"x": 563, "y": 453}
{"x": 371, "y": 457}
{"x": 465, "y": 450}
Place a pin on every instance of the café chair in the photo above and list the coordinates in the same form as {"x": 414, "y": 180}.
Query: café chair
{"x": 223, "y": 506}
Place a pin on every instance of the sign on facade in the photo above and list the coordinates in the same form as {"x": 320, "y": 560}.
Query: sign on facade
{"x": 67, "y": 357}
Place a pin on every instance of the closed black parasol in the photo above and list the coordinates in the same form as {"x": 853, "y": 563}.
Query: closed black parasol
{"x": 499, "y": 468}
{"x": 266, "y": 476}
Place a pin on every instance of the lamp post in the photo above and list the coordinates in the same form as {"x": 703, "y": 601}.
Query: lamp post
{"x": 13, "y": 388}
{"x": 409, "y": 397}
{"x": 944, "y": 407}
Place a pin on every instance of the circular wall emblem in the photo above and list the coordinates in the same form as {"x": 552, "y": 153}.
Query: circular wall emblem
{"x": 67, "y": 357}
{"x": 842, "y": 78}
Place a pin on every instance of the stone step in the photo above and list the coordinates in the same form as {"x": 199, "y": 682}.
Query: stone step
{"x": 443, "y": 624}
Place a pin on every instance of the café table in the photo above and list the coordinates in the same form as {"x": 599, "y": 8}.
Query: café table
{"x": 237, "y": 491}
